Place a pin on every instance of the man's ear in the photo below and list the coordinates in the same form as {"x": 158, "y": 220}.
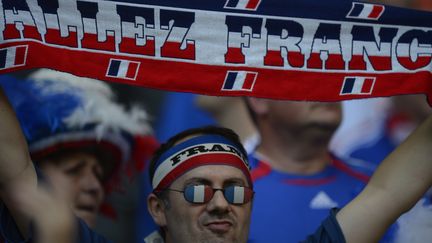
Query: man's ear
{"x": 156, "y": 208}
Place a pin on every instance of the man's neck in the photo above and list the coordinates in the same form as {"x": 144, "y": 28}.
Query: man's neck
{"x": 295, "y": 155}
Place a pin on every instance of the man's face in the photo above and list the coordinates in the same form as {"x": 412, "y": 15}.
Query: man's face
{"x": 77, "y": 177}
{"x": 215, "y": 221}
{"x": 304, "y": 115}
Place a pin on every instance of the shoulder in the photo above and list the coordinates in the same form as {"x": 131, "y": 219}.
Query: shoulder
{"x": 259, "y": 169}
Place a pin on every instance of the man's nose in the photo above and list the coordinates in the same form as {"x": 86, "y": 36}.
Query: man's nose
{"x": 92, "y": 183}
{"x": 218, "y": 202}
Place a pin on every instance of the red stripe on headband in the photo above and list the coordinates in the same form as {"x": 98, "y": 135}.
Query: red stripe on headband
{"x": 205, "y": 159}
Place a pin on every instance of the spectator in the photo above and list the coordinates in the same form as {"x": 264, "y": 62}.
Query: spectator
{"x": 228, "y": 112}
{"x": 207, "y": 160}
{"x": 297, "y": 180}
{"x": 79, "y": 137}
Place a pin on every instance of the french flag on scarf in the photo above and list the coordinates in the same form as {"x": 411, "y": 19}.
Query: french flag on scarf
{"x": 242, "y": 4}
{"x": 14, "y": 56}
{"x": 239, "y": 81}
{"x": 122, "y": 69}
{"x": 358, "y": 86}
{"x": 366, "y": 11}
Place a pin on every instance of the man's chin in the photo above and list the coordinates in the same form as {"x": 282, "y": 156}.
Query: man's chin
{"x": 213, "y": 237}
{"x": 320, "y": 127}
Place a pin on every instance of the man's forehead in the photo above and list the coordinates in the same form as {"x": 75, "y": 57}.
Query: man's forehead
{"x": 213, "y": 174}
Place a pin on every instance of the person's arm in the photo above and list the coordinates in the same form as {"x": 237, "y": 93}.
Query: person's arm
{"x": 16, "y": 168}
{"x": 399, "y": 182}
{"x": 51, "y": 226}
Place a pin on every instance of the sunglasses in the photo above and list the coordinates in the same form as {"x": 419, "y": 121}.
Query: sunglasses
{"x": 199, "y": 194}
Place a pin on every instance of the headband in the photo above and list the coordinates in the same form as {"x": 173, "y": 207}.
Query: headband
{"x": 198, "y": 151}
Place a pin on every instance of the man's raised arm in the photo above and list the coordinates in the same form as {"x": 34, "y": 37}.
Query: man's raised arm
{"x": 399, "y": 182}
{"x": 16, "y": 168}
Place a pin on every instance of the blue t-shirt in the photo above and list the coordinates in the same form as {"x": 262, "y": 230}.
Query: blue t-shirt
{"x": 288, "y": 207}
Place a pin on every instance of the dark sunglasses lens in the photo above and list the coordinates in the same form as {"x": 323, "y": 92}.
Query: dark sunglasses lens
{"x": 198, "y": 193}
{"x": 238, "y": 194}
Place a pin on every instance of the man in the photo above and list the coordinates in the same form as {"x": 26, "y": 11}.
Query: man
{"x": 206, "y": 184}
{"x": 293, "y": 159}
{"x": 228, "y": 112}
{"x": 209, "y": 167}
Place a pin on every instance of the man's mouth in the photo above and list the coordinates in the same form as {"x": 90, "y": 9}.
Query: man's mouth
{"x": 86, "y": 208}
{"x": 219, "y": 226}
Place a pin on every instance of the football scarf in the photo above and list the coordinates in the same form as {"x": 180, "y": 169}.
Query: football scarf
{"x": 299, "y": 49}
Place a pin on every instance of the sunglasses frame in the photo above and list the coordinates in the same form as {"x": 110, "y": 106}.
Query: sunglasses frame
{"x": 213, "y": 192}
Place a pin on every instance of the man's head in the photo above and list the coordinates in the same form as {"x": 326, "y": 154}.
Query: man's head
{"x": 311, "y": 119}
{"x": 202, "y": 188}
{"x": 79, "y": 175}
